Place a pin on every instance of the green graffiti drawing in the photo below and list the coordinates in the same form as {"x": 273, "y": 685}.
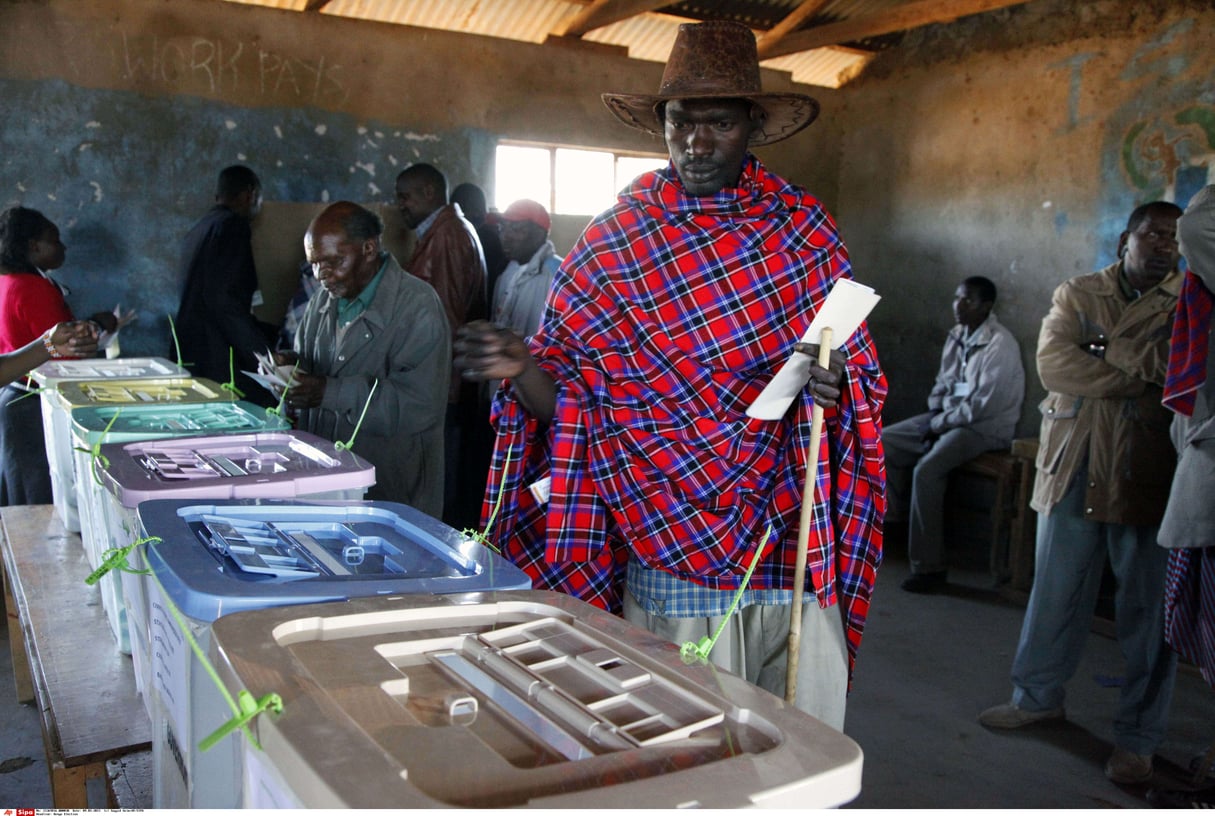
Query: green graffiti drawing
{"x": 1162, "y": 154}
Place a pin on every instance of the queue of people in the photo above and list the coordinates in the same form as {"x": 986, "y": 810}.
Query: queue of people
{"x": 617, "y": 463}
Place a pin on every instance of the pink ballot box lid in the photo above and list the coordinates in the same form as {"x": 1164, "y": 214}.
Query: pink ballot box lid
{"x": 269, "y": 465}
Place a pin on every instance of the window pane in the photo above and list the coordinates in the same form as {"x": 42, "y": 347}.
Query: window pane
{"x": 521, "y": 172}
{"x": 630, "y": 167}
{"x": 586, "y": 183}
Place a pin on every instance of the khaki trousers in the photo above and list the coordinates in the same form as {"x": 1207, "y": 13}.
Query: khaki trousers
{"x": 754, "y": 646}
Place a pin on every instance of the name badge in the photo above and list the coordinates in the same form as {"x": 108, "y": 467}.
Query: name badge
{"x": 961, "y": 389}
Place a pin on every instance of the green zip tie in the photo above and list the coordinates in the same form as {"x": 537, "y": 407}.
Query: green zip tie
{"x": 31, "y": 392}
{"x": 278, "y": 409}
{"x": 230, "y": 385}
{"x": 483, "y": 537}
{"x": 691, "y": 652}
{"x": 359, "y": 424}
{"x": 241, "y": 719}
{"x": 95, "y": 451}
{"x": 114, "y": 558}
{"x": 176, "y": 344}
{"x": 249, "y": 708}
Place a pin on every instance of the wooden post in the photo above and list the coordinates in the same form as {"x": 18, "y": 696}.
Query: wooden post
{"x": 803, "y": 528}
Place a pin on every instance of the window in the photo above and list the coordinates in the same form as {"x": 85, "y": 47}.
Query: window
{"x": 565, "y": 180}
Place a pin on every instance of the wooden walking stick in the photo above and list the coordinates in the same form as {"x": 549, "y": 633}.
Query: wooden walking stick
{"x": 803, "y": 528}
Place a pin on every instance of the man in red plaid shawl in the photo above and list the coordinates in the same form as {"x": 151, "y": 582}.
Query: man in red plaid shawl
{"x": 626, "y": 471}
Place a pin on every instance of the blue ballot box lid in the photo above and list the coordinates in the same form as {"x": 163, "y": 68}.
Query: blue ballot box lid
{"x": 214, "y": 558}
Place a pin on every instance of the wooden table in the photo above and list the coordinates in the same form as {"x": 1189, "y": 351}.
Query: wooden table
{"x": 83, "y": 686}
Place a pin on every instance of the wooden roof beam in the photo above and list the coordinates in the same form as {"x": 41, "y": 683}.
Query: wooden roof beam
{"x": 901, "y": 18}
{"x": 605, "y": 12}
{"x": 315, "y": 5}
{"x": 790, "y": 23}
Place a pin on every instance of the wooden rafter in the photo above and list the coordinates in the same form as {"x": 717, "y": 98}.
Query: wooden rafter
{"x": 315, "y": 5}
{"x": 901, "y": 18}
{"x": 790, "y": 23}
{"x": 605, "y": 12}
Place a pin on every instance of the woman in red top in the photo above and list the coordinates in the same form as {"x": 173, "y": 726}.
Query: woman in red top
{"x": 30, "y": 304}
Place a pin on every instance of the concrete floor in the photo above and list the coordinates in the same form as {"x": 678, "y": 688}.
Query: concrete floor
{"x": 928, "y": 665}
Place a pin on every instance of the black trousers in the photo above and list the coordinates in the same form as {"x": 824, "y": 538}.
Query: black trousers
{"x": 25, "y": 474}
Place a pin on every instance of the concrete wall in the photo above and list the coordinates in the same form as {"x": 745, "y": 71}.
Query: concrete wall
{"x": 121, "y": 112}
{"x": 1011, "y": 144}
{"x": 1014, "y": 145}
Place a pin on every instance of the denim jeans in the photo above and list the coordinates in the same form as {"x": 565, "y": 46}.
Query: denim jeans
{"x": 1070, "y": 559}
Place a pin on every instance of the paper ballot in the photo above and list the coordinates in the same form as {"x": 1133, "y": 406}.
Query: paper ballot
{"x": 846, "y": 306}
{"x": 274, "y": 378}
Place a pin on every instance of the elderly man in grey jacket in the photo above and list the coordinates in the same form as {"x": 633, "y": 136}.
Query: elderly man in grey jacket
{"x": 373, "y": 326}
{"x": 973, "y": 407}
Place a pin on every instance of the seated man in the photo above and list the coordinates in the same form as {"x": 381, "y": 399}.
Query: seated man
{"x": 373, "y": 325}
{"x": 974, "y": 407}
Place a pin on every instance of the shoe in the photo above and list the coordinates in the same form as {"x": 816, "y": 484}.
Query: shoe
{"x": 1127, "y": 768}
{"x": 1009, "y": 715}
{"x": 1163, "y": 798}
{"x": 926, "y": 583}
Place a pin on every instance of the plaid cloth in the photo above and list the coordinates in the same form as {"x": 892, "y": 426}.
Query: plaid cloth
{"x": 664, "y": 323}
{"x": 664, "y": 594}
{"x": 1189, "y": 607}
{"x": 1188, "y": 346}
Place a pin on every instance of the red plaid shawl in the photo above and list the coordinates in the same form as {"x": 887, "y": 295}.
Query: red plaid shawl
{"x": 664, "y": 323}
{"x": 1188, "y": 346}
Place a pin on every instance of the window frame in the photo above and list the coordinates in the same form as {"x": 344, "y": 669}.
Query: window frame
{"x": 552, "y": 148}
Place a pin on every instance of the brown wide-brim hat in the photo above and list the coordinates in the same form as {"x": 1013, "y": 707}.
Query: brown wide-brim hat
{"x": 716, "y": 60}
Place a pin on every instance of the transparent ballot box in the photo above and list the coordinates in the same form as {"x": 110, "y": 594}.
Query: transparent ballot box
{"x": 522, "y": 699}
{"x": 216, "y": 558}
{"x": 56, "y": 426}
{"x": 94, "y": 424}
{"x": 282, "y": 464}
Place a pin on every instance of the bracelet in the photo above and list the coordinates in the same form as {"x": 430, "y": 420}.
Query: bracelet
{"x": 50, "y": 347}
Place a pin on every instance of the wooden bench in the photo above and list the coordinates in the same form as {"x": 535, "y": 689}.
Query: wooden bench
{"x": 1012, "y": 521}
{"x": 83, "y": 686}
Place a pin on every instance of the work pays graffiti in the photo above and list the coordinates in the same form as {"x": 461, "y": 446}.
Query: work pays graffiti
{"x": 213, "y": 65}
{"x": 1160, "y": 143}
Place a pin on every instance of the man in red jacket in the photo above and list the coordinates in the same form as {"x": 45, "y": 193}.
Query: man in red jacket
{"x": 449, "y": 257}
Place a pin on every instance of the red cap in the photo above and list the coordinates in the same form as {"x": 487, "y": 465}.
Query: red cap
{"x": 527, "y": 210}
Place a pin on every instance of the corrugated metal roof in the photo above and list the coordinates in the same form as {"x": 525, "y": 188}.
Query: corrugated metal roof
{"x": 647, "y": 36}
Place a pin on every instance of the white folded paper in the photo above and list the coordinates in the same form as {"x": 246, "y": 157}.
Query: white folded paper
{"x": 846, "y": 306}
{"x": 274, "y": 378}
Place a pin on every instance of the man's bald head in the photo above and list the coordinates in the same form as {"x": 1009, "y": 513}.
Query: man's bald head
{"x": 343, "y": 247}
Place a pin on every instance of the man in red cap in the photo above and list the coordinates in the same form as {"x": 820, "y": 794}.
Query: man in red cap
{"x": 626, "y": 470}
{"x": 520, "y": 292}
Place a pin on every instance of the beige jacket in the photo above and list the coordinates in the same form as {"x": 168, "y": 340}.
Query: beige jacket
{"x": 1106, "y": 411}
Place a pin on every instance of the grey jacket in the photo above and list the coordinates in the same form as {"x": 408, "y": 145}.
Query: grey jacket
{"x": 1189, "y": 519}
{"x": 401, "y": 340}
{"x": 981, "y": 382}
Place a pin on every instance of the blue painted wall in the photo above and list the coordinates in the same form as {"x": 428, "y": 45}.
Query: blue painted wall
{"x": 125, "y": 175}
